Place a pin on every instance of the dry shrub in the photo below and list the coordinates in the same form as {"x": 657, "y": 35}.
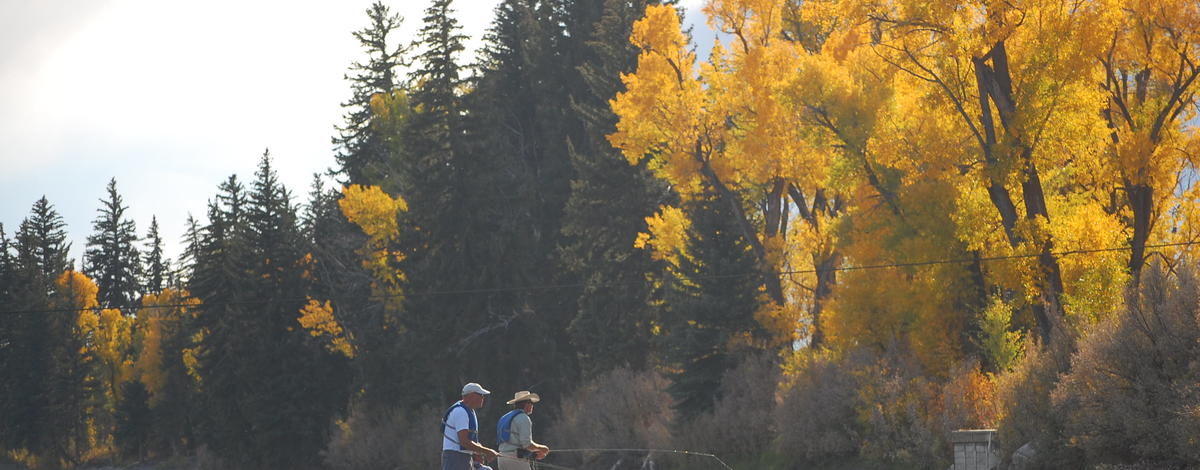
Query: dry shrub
{"x": 622, "y": 408}
{"x": 741, "y": 422}
{"x": 896, "y": 406}
{"x": 386, "y": 439}
{"x": 1026, "y": 413}
{"x": 817, "y": 410}
{"x": 1133, "y": 392}
{"x": 860, "y": 406}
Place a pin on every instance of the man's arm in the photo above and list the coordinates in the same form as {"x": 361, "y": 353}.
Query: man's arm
{"x": 464, "y": 439}
{"x": 523, "y": 429}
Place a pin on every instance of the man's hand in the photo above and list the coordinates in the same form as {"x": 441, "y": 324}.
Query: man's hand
{"x": 489, "y": 454}
{"x": 540, "y": 452}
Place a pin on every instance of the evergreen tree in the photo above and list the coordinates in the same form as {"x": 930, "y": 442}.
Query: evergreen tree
{"x": 711, "y": 298}
{"x": 517, "y": 177}
{"x": 157, "y": 271}
{"x": 134, "y": 420}
{"x": 7, "y": 268}
{"x": 608, "y": 203}
{"x": 270, "y": 391}
{"x": 39, "y": 255}
{"x": 221, "y": 279}
{"x": 362, "y": 152}
{"x": 111, "y": 257}
{"x": 10, "y": 341}
{"x": 437, "y": 254}
{"x": 192, "y": 246}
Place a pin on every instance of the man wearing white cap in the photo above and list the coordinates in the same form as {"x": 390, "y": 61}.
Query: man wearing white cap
{"x": 460, "y": 432}
{"x": 514, "y": 433}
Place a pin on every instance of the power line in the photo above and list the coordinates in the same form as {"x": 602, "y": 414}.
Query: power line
{"x": 494, "y": 290}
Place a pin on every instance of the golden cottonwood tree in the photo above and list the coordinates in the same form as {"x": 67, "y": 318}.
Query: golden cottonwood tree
{"x": 1151, "y": 62}
{"x": 1011, "y": 86}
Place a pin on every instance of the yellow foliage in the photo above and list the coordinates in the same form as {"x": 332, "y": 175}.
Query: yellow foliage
{"x": 667, "y": 237}
{"x": 160, "y": 314}
{"x": 319, "y": 320}
{"x": 375, "y": 212}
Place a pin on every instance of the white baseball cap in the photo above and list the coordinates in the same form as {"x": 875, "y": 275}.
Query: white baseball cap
{"x": 474, "y": 388}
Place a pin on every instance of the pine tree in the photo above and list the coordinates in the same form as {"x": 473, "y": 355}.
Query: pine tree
{"x": 192, "y": 243}
{"x": 157, "y": 271}
{"x": 39, "y": 256}
{"x": 711, "y": 299}
{"x": 363, "y": 154}
{"x": 270, "y": 392}
{"x": 437, "y": 254}
{"x": 111, "y": 257}
{"x": 221, "y": 280}
{"x": 608, "y": 203}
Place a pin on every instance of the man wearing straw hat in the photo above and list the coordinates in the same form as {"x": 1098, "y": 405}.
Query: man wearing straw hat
{"x": 460, "y": 432}
{"x": 514, "y": 432}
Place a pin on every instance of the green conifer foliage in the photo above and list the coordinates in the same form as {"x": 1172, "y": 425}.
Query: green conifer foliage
{"x": 111, "y": 258}
{"x": 157, "y": 269}
{"x": 711, "y": 298}
{"x": 363, "y": 154}
{"x": 608, "y": 204}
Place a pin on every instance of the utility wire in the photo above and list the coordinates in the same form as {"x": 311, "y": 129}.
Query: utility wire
{"x": 494, "y": 290}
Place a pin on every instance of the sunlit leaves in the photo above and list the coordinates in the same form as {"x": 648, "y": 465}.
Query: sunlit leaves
{"x": 318, "y": 319}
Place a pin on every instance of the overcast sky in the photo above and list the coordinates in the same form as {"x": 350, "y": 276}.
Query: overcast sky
{"x": 171, "y": 97}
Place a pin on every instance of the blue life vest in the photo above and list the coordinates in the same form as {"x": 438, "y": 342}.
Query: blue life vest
{"x": 504, "y": 427}
{"x": 472, "y": 424}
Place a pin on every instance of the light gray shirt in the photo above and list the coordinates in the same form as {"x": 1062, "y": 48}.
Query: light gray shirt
{"x": 520, "y": 435}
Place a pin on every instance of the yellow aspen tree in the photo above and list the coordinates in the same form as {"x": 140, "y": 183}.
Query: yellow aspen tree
{"x": 161, "y": 315}
{"x": 375, "y": 212}
{"x": 1151, "y": 63}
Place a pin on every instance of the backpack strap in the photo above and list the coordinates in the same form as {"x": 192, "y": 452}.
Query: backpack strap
{"x": 504, "y": 427}
{"x": 472, "y": 424}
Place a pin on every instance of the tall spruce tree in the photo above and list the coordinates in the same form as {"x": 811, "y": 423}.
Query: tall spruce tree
{"x": 711, "y": 299}
{"x": 10, "y": 339}
{"x": 437, "y": 255}
{"x": 37, "y": 408}
{"x": 270, "y": 391}
{"x": 193, "y": 238}
{"x": 156, "y": 268}
{"x": 608, "y": 203}
{"x": 518, "y": 174}
{"x": 363, "y": 155}
{"x": 111, "y": 257}
{"x": 221, "y": 280}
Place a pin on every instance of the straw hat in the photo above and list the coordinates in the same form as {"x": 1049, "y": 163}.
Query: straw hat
{"x": 524, "y": 395}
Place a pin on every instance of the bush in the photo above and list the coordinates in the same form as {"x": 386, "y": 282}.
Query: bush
{"x": 1026, "y": 413}
{"x": 817, "y": 415}
{"x": 740, "y": 426}
{"x": 386, "y": 439}
{"x": 1133, "y": 392}
{"x": 866, "y": 410}
{"x": 623, "y": 409}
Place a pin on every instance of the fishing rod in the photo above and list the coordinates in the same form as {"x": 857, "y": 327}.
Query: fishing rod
{"x": 658, "y": 451}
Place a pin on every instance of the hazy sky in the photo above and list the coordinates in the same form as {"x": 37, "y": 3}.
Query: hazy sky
{"x": 171, "y": 97}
